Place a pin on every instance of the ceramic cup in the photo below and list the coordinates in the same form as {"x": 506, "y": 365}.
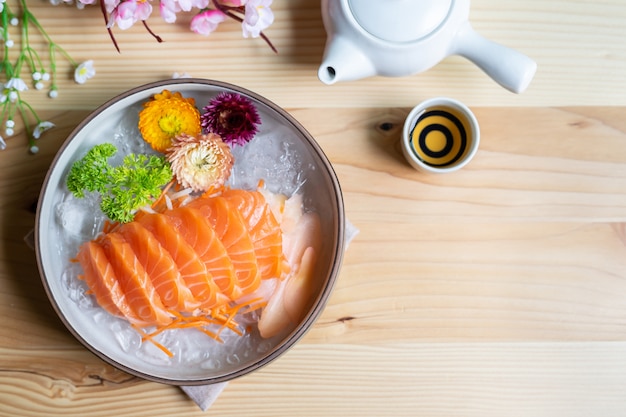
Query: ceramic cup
{"x": 440, "y": 135}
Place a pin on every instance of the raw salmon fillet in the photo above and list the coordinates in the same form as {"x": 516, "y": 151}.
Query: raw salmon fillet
{"x": 230, "y": 228}
{"x": 198, "y": 233}
{"x": 160, "y": 266}
{"x": 135, "y": 282}
{"x": 263, "y": 228}
{"x": 194, "y": 272}
{"x": 102, "y": 282}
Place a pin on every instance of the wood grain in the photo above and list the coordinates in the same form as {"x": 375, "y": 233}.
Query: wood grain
{"x": 459, "y": 379}
{"x": 578, "y": 46}
{"x": 493, "y": 291}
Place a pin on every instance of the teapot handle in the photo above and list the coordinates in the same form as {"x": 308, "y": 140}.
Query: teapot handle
{"x": 509, "y": 68}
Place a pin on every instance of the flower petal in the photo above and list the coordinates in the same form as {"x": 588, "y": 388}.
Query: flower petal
{"x": 231, "y": 116}
{"x": 166, "y": 116}
{"x": 42, "y": 127}
{"x": 84, "y": 71}
{"x": 201, "y": 163}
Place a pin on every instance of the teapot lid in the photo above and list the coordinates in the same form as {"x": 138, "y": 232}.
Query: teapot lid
{"x": 400, "y": 20}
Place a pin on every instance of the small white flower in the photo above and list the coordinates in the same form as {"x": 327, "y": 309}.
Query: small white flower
{"x": 39, "y": 85}
{"x": 84, "y": 72}
{"x": 42, "y": 127}
{"x": 9, "y": 43}
{"x": 14, "y": 21}
{"x": 45, "y": 76}
{"x": 180, "y": 75}
{"x": 34, "y": 149}
{"x": 9, "y": 131}
{"x": 13, "y": 96}
{"x": 9, "y": 123}
{"x": 36, "y": 76}
{"x": 16, "y": 84}
{"x": 3, "y": 98}
{"x": 53, "y": 93}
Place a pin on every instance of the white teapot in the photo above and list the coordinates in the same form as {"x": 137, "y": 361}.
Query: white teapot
{"x": 404, "y": 37}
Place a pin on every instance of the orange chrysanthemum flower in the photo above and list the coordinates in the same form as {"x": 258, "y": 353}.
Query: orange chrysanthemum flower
{"x": 201, "y": 163}
{"x": 166, "y": 116}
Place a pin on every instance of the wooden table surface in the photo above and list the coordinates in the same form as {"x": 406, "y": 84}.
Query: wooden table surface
{"x": 498, "y": 290}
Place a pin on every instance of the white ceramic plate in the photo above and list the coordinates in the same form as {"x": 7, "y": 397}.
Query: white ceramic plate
{"x": 57, "y": 242}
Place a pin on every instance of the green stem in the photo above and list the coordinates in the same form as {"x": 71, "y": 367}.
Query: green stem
{"x": 26, "y": 123}
{"x": 28, "y": 16}
{"x": 53, "y": 67}
{"x": 32, "y": 111}
{"x": 4, "y": 109}
{"x": 27, "y": 51}
{"x": 11, "y": 115}
{"x": 6, "y": 64}
{"x": 34, "y": 59}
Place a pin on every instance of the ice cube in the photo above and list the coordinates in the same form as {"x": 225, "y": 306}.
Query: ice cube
{"x": 76, "y": 216}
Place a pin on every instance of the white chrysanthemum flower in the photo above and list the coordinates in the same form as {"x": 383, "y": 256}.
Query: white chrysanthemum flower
{"x": 200, "y": 163}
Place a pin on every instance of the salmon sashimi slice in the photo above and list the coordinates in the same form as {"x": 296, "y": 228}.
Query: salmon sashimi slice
{"x": 160, "y": 267}
{"x": 263, "y": 228}
{"x": 193, "y": 270}
{"x": 102, "y": 282}
{"x": 230, "y": 228}
{"x": 197, "y": 231}
{"x": 134, "y": 280}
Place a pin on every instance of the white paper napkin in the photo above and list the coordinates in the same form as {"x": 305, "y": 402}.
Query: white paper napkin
{"x": 204, "y": 395}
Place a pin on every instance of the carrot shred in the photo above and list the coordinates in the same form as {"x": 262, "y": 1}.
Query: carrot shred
{"x": 150, "y": 338}
{"x": 212, "y": 191}
{"x": 109, "y": 226}
{"x": 157, "y": 201}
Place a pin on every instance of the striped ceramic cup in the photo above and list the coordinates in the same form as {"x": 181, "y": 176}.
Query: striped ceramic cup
{"x": 440, "y": 135}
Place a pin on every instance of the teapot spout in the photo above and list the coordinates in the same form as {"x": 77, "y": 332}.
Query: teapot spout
{"x": 343, "y": 61}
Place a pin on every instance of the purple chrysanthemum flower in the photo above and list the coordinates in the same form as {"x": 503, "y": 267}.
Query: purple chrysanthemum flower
{"x": 232, "y": 117}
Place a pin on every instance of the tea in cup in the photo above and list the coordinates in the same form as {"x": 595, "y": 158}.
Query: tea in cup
{"x": 440, "y": 135}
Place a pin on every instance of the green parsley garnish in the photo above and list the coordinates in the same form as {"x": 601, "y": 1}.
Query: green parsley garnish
{"x": 124, "y": 188}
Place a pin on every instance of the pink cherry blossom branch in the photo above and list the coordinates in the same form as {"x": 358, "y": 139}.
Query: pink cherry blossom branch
{"x": 227, "y": 10}
{"x": 106, "y": 24}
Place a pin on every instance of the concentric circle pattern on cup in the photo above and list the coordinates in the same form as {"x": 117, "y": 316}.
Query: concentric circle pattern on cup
{"x": 440, "y": 135}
